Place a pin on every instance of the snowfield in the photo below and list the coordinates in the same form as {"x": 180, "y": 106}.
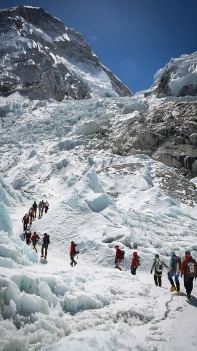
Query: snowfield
{"x": 98, "y": 199}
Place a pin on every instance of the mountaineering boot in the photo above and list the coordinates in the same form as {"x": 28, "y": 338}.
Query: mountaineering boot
{"x": 45, "y": 257}
{"x": 42, "y": 255}
{"x": 177, "y": 287}
{"x": 172, "y": 284}
{"x": 75, "y": 263}
{"x": 119, "y": 268}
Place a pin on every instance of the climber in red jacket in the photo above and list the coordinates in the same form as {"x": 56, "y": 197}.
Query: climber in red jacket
{"x": 72, "y": 253}
{"x": 135, "y": 263}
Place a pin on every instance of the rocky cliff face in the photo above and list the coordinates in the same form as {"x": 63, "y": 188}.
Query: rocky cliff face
{"x": 167, "y": 133}
{"x": 42, "y": 59}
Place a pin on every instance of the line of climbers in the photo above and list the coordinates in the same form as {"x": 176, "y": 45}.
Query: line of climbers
{"x": 27, "y": 220}
{"x": 186, "y": 268}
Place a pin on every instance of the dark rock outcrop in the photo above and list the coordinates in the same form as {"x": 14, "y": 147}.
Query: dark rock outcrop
{"x": 167, "y": 133}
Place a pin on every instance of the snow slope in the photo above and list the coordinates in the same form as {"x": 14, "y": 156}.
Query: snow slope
{"x": 98, "y": 199}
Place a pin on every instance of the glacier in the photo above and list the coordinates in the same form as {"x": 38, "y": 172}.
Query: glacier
{"x": 98, "y": 199}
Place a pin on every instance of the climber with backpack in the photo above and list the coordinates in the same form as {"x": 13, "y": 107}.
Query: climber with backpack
{"x": 35, "y": 206}
{"x": 40, "y": 208}
{"x": 31, "y": 215}
{"x": 158, "y": 265}
{"x": 174, "y": 271}
{"x": 119, "y": 257}
{"x": 25, "y": 221}
{"x": 135, "y": 263}
{"x": 73, "y": 252}
{"x": 35, "y": 237}
{"x": 46, "y": 206}
{"x": 189, "y": 270}
{"x": 27, "y": 236}
{"x": 45, "y": 244}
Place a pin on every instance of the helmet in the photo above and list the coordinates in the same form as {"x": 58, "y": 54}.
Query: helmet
{"x": 72, "y": 242}
{"x": 45, "y": 233}
{"x": 34, "y": 232}
{"x": 187, "y": 252}
{"x": 172, "y": 253}
{"x": 156, "y": 256}
{"x": 116, "y": 246}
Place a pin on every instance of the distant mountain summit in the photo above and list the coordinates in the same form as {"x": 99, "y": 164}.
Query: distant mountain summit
{"x": 178, "y": 78}
{"x": 42, "y": 59}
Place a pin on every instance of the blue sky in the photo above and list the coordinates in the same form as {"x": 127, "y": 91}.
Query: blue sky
{"x": 133, "y": 38}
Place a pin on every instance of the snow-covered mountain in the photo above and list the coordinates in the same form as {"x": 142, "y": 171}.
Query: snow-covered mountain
{"x": 119, "y": 170}
{"x": 43, "y": 59}
{"x": 177, "y": 78}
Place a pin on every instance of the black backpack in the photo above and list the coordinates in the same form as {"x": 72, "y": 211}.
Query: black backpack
{"x": 122, "y": 253}
{"x": 47, "y": 240}
{"x": 158, "y": 265}
{"x": 190, "y": 268}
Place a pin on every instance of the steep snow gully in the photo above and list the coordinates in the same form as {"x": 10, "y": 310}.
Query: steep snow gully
{"x": 98, "y": 199}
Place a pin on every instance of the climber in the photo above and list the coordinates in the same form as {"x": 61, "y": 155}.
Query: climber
{"x": 40, "y": 208}
{"x": 35, "y": 237}
{"x": 45, "y": 243}
{"x": 31, "y": 215}
{"x": 118, "y": 258}
{"x": 174, "y": 271}
{"x": 25, "y": 221}
{"x": 135, "y": 263}
{"x": 35, "y": 206}
{"x": 73, "y": 253}
{"x": 46, "y": 206}
{"x": 189, "y": 270}
{"x": 158, "y": 265}
{"x": 27, "y": 236}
